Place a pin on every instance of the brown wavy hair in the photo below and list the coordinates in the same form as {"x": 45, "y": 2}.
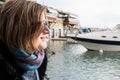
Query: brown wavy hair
{"x": 21, "y": 23}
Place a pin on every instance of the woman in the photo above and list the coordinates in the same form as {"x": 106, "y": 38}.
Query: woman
{"x": 23, "y": 32}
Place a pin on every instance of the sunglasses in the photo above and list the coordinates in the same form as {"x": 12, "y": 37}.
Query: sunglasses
{"x": 45, "y": 24}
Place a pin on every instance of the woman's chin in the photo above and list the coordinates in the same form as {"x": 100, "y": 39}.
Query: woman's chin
{"x": 44, "y": 46}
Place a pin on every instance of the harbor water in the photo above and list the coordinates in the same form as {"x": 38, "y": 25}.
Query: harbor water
{"x": 71, "y": 63}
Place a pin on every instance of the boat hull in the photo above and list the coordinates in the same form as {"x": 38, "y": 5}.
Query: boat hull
{"x": 104, "y": 47}
{"x": 97, "y": 44}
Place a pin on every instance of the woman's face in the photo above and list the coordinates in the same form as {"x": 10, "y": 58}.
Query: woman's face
{"x": 41, "y": 41}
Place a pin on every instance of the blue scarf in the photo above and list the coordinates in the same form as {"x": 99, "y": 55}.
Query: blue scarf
{"x": 29, "y": 63}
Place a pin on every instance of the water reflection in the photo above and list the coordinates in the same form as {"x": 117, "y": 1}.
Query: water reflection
{"x": 70, "y": 63}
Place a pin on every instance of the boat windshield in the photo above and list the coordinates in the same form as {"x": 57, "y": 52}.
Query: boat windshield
{"x": 117, "y": 27}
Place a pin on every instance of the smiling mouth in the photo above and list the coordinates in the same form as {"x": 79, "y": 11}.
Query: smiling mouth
{"x": 42, "y": 37}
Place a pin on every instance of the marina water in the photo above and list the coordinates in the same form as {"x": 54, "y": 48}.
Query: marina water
{"x": 71, "y": 63}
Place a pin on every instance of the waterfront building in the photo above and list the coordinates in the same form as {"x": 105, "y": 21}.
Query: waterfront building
{"x": 61, "y": 23}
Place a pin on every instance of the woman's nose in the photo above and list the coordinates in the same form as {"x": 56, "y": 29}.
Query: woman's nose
{"x": 46, "y": 30}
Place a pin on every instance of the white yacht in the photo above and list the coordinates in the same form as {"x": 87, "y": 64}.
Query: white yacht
{"x": 108, "y": 40}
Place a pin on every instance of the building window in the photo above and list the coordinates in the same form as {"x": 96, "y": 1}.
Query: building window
{"x": 59, "y": 33}
{"x": 52, "y": 33}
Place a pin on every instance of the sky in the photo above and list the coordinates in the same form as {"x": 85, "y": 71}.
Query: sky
{"x": 92, "y": 13}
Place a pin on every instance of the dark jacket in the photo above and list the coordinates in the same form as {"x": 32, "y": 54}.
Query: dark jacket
{"x": 9, "y": 70}
{"x": 42, "y": 69}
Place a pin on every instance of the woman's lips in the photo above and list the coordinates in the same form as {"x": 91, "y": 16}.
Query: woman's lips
{"x": 43, "y": 38}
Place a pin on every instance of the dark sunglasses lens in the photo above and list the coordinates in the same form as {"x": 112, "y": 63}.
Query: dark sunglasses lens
{"x": 46, "y": 23}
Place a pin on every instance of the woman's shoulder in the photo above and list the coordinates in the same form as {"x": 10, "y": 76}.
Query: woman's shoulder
{"x": 8, "y": 68}
{"x": 9, "y": 71}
